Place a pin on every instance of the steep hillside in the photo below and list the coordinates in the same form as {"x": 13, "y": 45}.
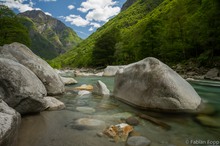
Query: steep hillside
{"x": 171, "y": 30}
{"x": 49, "y": 36}
{"x": 127, "y": 4}
{"x": 11, "y": 29}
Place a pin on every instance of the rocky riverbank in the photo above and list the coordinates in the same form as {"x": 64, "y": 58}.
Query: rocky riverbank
{"x": 26, "y": 81}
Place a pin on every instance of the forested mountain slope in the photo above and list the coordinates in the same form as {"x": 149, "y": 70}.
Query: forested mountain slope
{"x": 171, "y": 30}
{"x": 44, "y": 35}
{"x": 48, "y": 32}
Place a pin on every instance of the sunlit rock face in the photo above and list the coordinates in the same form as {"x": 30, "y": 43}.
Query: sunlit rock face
{"x": 23, "y": 55}
{"x": 20, "y": 88}
{"x": 151, "y": 84}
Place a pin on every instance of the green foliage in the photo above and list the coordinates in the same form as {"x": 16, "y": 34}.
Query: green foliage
{"x": 11, "y": 29}
{"x": 104, "y": 49}
{"x": 171, "y": 30}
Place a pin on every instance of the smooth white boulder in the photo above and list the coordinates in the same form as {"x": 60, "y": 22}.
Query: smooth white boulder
{"x": 23, "y": 55}
{"x": 20, "y": 88}
{"x": 151, "y": 84}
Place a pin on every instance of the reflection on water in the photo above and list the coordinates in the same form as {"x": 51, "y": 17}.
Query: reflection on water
{"x": 60, "y": 128}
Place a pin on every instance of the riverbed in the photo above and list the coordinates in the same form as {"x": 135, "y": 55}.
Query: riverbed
{"x": 59, "y": 128}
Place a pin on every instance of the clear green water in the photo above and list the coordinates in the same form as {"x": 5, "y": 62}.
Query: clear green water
{"x": 56, "y": 128}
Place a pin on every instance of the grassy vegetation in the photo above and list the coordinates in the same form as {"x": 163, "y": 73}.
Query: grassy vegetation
{"x": 171, "y": 30}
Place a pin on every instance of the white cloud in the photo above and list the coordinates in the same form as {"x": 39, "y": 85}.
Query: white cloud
{"x": 70, "y": 7}
{"x": 99, "y": 10}
{"x": 47, "y": 13}
{"x": 19, "y": 5}
{"x": 96, "y": 25}
{"x": 76, "y": 20}
{"x": 102, "y": 14}
{"x": 91, "y": 29}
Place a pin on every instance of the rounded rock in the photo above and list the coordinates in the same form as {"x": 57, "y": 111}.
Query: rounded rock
{"x": 138, "y": 141}
{"x": 132, "y": 121}
{"x": 86, "y": 110}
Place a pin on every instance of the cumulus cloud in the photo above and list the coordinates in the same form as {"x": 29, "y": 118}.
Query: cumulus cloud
{"x": 91, "y": 29}
{"x": 19, "y": 5}
{"x": 76, "y": 20}
{"x": 96, "y": 25}
{"x": 99, "y": 10}
{"x": 70, "y": 7}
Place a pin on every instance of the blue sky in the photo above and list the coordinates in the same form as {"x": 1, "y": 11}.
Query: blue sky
{"x": 83, "y": 16}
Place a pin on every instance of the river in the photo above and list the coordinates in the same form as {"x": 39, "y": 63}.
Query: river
{"x": 58, "y": 128}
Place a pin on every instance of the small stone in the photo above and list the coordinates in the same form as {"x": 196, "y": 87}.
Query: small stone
{"x": 132, "y": 121}
{"x": 68, "y": 81}
{"x": 83, "y": 92}
{"x": 85, "y": 87}
{"x": 53, "y": 103}
{"x": 88, "y": 123}
{"x": 100, "y": 134}
{"x": 138, "y": 141}
{"x": 86, "y": 110}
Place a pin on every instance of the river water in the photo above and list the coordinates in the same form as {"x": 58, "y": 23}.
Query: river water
{"x": 59, "y": 128}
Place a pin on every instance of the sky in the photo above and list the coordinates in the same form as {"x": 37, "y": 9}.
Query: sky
{"x": 83, "y": 16}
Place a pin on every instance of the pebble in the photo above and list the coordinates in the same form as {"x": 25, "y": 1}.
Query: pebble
{"x": 138, "y": 141}
{"x": 132, "y": 121}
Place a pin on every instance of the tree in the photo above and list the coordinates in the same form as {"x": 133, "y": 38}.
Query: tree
{"x": 104, "y": 49}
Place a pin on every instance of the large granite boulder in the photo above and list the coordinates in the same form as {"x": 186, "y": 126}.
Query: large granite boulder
{"x": 150, "y": 84}
{"x": 22, "y": 54}
{"x": 9, "y": 124}
{"x": 111, "y": 70}
{"x": 20, "y": 88}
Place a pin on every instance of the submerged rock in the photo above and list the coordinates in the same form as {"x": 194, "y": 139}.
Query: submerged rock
{"x": 9, "y": 124}
{"x": 208, "y": 121}
{"x": 86, "y": 110}
{"x": 101, "y": 89}
{"x": 88, "y": 123}
{"x": 138, "y": 141}
{"x": 132, "y": 121}
{"x": 53, "y": 103}
{"x": 150, "y": 83}
{"x": 22, "y": 54}
{"x": 83, "y": 92}
{"x": 20, "y": 88}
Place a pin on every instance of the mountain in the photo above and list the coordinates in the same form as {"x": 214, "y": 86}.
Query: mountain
{"x": 173, "y": 31}
{"x": 49, "y": 36}
{"x": 127, "y": 4}
{"x": 11, "y": 29}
